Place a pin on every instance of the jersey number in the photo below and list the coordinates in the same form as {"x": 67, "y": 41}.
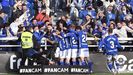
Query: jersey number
{"x": 74, "y": 41}
{"x": 112, "y": 44}
{"x": 83, "y": 38}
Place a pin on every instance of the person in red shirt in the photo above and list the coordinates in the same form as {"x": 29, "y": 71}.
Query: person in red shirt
{"x": 42, "y": 16}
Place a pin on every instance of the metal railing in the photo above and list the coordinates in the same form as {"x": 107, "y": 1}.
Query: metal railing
{"x": 45, "y": 41}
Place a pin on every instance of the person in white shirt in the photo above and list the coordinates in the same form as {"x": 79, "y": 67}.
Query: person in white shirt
{"x": 121, "y": 31}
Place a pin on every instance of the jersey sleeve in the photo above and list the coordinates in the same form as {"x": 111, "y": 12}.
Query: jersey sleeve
{"x": 101, "y": 43}
{"x": 38, "y": 37}
{"x": 36, "y": 44}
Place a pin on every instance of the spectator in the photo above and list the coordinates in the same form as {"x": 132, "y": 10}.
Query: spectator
{"x": 110, "y": 15}
{"x": 60, "y": 5}
{"x": 42, "y": 16}
{"x": 84, "y": 12}
{"x": 36, "y": 7}
{"x": 34, "y": 22}
{"x": 68, "y": 20}
{"x": 124, "y": 12}
{"x": 104, "y": 30}
{"x": 101, "y": 16}
{"x": 128, "y": 17}
{"x": 97, "y": 32}
{"x": 6, "y": 6}
{"x": 89, "y": 24}
{"x": 4, "y": 17}
{"x": 61, "y": 26}
{"x": 57, "y": 5}
{"x": 73, "y": 10}
{"x": 47, "y": 3}
{"x": 121, "y": 31}
{"x": 17, "y": 10}
{"x": 82, "y": 15}
{"x": 62, "y": 20}
{"x": 91, "y": 11}
{"x": 30, "y": 7}
{"x": 112, "y": 25}
{"x": 130, "y": 24}
{"x": 14, "y": 27}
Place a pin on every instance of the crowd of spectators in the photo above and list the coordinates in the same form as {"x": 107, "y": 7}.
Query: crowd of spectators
{"x": 96, "y": 15}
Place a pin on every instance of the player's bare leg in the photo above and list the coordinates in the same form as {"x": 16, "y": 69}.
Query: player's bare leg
{"x": 67, "y": 61}
{"x": 68, "y": 56}
{"x": 82, "y": 61}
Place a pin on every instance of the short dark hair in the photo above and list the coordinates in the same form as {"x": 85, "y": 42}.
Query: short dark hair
{"x": 28, "y": 28}
{"x": 110, "y": 30}
{"x": 78, "y": 27}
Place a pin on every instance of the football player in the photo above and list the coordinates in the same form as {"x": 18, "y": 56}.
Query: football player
{"x": 111, "y": 46}
{"x": 83, "y": 50}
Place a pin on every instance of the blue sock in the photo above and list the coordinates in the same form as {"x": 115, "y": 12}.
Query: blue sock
{"x": 90, "y": 64}
{"x": 61, "y": 63}
{"x": 83, "y": 63}
{"x": 110, "y": 65}
{"x": 117, "y": 65}
{"x": 77, "y": 63}
{"x": 58, "y": 63}
{"x": 74, "y": 62}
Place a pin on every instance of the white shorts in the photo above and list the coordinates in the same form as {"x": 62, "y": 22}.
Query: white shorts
{"x": 110, "y": 57}
{"x": 63, "y": 54}
{"x": 57, "y": 52}
{"x": 74, "y": 53}
{"x": 68, "y": 53}
{"x": 83, "y": 52}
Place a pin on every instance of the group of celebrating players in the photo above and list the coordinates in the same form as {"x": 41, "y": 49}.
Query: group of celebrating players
{"x": 73, "y": 47}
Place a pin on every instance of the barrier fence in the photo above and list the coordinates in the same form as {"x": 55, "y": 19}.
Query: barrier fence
{"x": 45, "y": 42}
